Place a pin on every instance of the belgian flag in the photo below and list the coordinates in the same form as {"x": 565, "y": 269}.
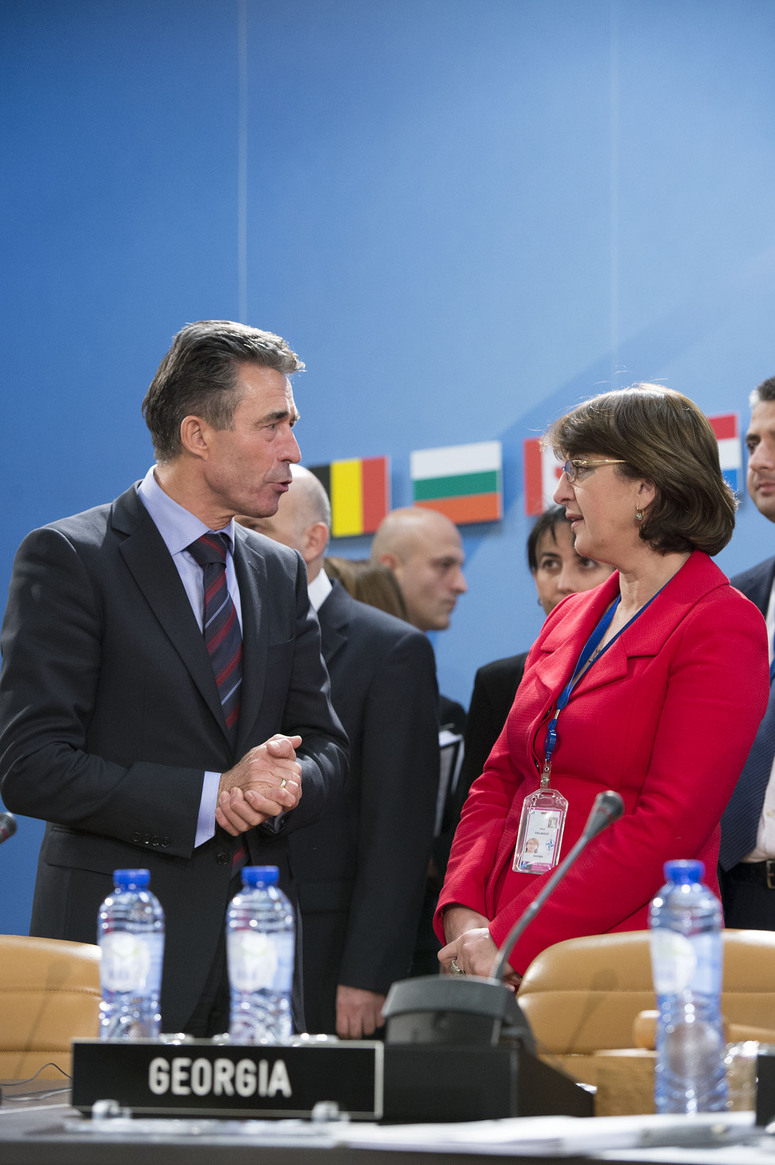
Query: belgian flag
{"x": 359, "y": 490}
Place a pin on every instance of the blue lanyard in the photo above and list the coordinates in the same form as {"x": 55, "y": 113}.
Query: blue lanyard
{"x": 587, "y": 652}
{"x": 586, "y": 658}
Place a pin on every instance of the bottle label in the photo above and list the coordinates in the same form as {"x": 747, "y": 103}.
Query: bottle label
{"x": 255, "y": 960}
{"x": 679, "y": 962}
{"x": 126, "y": 961}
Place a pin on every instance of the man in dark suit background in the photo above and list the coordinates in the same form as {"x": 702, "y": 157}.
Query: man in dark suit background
{"x": 361, "y": 870}
{"x": 747, "y": 854}
{"x": 115, "y": 729}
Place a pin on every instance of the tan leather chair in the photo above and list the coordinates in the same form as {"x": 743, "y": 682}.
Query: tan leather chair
{"x": 49, "y": 995}
{"x": 583, "y": 997}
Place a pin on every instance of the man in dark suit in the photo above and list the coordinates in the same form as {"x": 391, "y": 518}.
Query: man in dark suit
{"x": 116, "y": 729}
{"x": 424, "y": 550}
{"x": 747, "y": 855}
{"x": 361, "y": 870}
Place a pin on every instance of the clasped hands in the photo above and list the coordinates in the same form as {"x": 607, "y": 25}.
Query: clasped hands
{"x": 264, "y": 784}
{"x": 470, "y": 945}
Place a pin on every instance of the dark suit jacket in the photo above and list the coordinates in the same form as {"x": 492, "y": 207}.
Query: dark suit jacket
{"x": 452, "y": 715}
{"x": 495, "y": 686}
{"x": 109, "y": 717}
{"x": 361, "y": 870}
{"x": 756, "y": 583}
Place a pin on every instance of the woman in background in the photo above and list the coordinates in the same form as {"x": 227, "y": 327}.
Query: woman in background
{"x": 653, "y": 685}
{"x": 369, "y": 582}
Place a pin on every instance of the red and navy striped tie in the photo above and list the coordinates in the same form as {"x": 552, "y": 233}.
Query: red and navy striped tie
{"x": 222, "y": 633}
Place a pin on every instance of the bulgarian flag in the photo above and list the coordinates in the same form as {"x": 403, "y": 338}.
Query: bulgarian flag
{"x": 465, "y": 482}
{"x": 359, "y": 490}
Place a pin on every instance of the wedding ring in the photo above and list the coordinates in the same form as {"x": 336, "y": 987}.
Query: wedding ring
{"x": 283, "y": 782}
{"x": 455, "y": 968}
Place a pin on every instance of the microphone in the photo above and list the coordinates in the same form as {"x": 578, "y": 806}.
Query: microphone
{"x": 472, "y": 1009}
{"x": 7, "y": 826}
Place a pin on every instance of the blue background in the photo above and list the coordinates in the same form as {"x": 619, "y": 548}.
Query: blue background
{"x": 465, "y": 215}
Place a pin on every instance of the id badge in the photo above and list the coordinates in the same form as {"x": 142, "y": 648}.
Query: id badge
{"x": 541, "y": 826}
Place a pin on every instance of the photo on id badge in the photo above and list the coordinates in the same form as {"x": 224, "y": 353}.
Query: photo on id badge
{"x": 539, "y": 850}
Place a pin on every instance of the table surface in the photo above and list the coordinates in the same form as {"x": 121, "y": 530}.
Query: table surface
{"x": 39, "y": 1127}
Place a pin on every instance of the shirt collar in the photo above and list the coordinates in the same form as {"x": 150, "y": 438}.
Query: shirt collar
{"x": 177, "y": 525}
{"x": 319, "y": 589}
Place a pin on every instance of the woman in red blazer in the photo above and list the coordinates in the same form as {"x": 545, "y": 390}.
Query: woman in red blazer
{"x": 654, "y": 683}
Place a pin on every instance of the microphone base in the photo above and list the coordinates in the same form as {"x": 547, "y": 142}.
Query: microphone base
{"x": 451, "y": 1009}
{"x": 463, "y": 1082}
{"x": 458, "y": 1048}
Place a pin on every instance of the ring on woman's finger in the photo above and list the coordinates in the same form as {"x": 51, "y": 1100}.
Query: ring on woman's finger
{"x": 283, "y": 782}
{"x": 455, "y": 968}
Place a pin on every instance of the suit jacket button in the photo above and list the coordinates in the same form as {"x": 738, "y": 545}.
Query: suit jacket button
{"x": 222, "y": 857}
{"x": 164, "y": 842}
{"x": 155, "y": 840}
{"x": 137, "y": 839}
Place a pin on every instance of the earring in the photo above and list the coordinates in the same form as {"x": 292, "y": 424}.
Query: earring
{"x": 639, "y": 515}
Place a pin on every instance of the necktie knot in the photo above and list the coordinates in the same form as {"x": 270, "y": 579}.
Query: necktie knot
{"x": 210, "y": 549}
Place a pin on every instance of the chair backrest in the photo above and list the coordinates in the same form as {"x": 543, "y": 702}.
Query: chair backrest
{"x": 583, "y": 995}
{"x": 49, "y": 995}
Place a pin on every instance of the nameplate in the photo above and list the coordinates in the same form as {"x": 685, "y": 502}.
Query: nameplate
{"x": 199, "y": 1078}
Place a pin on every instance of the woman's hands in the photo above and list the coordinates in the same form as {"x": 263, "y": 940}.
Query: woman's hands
{"x": 470, "y": 945}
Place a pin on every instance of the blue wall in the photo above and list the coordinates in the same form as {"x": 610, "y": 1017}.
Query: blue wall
{"x": 466, "y": 215}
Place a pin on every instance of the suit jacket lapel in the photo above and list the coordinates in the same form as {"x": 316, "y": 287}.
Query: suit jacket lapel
{"x": 334, "y": 621}
{"x": 151, "y": 565}
{"x": 250, "y": 568}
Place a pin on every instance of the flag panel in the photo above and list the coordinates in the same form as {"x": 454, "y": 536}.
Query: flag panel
{"x": 359, "y": 492}
{"x": 464, "y": 482}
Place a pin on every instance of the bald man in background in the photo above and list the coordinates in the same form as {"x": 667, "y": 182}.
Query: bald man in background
{"x": 424, "y": 550}
{"x": 361, "y": 871}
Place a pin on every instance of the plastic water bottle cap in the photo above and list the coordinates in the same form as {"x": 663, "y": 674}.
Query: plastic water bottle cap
{"x": 132, "y": 879}
{"x": 260, "y": 875}
{"x": 690, "y": 870}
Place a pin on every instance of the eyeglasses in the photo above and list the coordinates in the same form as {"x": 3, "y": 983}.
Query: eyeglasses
{"x": 572, "y": 469}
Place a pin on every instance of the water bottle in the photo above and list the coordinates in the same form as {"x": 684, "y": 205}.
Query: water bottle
{"x": 260, "y": 940}
{"x": 686, "y": 963}
{"x": 130, "y": 932}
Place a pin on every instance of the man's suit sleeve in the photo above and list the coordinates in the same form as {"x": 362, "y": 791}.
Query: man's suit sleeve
{"x": 399, "y": 783}
{"x": 52, "y": 644}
